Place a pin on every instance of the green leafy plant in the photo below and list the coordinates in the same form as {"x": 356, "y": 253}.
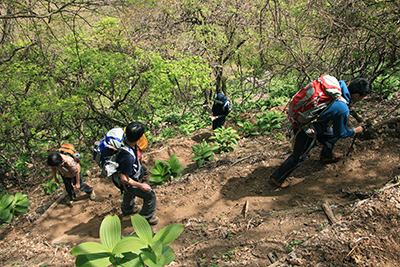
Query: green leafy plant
{"x": 10, "y": 205}
{"x": 268, "y": 121}
{"x": 203, "y": 152}
{"x": 225, "y": 138}
{"x": 141, "y": 249}
{"x": 166, "y": 170}
{"x": 247, "y": 128}
{"x": 50, "y": 187}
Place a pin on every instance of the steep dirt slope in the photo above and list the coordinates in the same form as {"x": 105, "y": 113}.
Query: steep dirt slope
{"x": 210, "y": 203}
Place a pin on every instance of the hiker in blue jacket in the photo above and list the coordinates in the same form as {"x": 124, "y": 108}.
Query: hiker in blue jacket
{"x": 220, "y": 111}
{"x": 329, "y": 127}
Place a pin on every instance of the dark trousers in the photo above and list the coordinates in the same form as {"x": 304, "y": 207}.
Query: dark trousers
{"x": 217, "y": 123}
{"x": 149, "y": 201}
{"x": 69, "y": 186}
{"x": 303, "y": 144}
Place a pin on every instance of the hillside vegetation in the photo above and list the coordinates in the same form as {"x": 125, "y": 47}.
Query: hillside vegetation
{"x": 71, "y": 70}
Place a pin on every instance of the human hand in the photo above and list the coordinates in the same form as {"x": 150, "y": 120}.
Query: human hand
{"x": 145, "y": 187}
{"x": 77, "y": 186}
{"x": 358, "y": 129}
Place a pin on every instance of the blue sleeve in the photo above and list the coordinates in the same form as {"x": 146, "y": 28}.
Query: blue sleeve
{"x": 339, "y": 113}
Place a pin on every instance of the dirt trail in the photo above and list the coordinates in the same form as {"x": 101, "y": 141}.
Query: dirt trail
{"x": 209, "y": 203}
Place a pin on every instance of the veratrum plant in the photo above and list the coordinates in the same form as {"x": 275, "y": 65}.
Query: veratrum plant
{"x": 50, "y": 187}
{"x": 225, "y": 138}
{"x": 10, "y": 205}
{"x": 141, "y": 249}
{"x": 166, "y": 170}
{"x": 247, "y": 128}
{"x": 203, "y": 152}
{"x": 268, "y": 121}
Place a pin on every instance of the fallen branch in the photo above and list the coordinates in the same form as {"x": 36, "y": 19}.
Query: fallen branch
{"x": 252, "y": 155}
{"x": 329, "y": 213}
{"x": 389, "y": 186}
{"x": 51, "y": 208}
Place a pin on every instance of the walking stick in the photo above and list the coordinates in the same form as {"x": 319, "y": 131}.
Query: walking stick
{"x": 347, "y": 154}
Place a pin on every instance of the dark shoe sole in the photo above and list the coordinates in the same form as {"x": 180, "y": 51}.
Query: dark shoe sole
{"x": 336, "y": 158}
{"x": 284, "y": 184}
{"x": 135, "y": 210}
{"x": 153, "y": 220}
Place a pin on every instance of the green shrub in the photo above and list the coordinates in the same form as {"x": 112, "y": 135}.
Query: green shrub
{"x": 247, "y": 129}
{"x": 10, "y": 205}
{"x": 50, "y": 187}
{"x": 166, "y": 170}
{"x": 141, "y": 249}
{"x": 225, "y": 138}
{"x": 268, "y": 121}
{"x": 203, "y": 152}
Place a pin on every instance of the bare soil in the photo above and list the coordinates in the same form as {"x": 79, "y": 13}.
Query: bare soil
{"x": 232, "y": 216}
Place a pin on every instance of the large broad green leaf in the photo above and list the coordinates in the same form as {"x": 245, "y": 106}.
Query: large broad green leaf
{"x": 21, "y": 209}
{"x": 196, "y": 157}
{"x": 142, "y": 228}
{"x": 22, "y": 202}
{"x": 128, "y": 244}
{"x": 90, "y": 248}
{"x": 168, "y": 234}
{"x": 110, "y": 232}
{"x": 157, "y": 248}
{"x": 175, "y": 165}
{"x": 168, "y": 255}
{"x": 156, "y": 179}
{"x": 98, "y": 260}
{"x": 150, "y": 259}
{"x": 6, "y": 216}
{"x": 130, "y": 260}
{"x": 7, "y": 202}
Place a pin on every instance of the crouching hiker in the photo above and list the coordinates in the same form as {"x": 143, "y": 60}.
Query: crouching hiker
{"x": 67, "y": 165}
{"x": 326, "y": 128}
{"x": 128, "y": 174}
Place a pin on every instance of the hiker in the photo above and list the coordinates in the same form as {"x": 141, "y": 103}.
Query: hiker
{"x": 130, "y": 172}
{"x": 108, "y": 146}
{"x": 220, "y": 110}
{"x": 70, "y": 171}
{"x": 330, "y": 126}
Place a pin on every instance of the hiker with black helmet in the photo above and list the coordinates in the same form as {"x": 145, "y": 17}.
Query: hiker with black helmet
{"x": 220, "y": 110}
{"x": 329, "y": 126}
{"x": 130, "y": 172}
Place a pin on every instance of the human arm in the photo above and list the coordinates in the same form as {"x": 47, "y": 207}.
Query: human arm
{"x": 54, "y": 171}
{"x": 77, "y": 184}
{"x": 127, "y": 180}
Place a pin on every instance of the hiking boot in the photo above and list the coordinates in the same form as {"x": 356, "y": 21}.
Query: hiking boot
{"x": 92, "y": 195}
{"x": 153, "y": 220}
{"x": 336, "y": 158}
{"x": 136, "y": 209}
{"x": 284, "y": 184}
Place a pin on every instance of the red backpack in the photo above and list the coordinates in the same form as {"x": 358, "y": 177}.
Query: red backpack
{"x": 314, "y": 99}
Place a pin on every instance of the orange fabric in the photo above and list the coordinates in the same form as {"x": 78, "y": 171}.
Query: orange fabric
{"x": 68, "y": 148}
{"x": 142, "y": 142}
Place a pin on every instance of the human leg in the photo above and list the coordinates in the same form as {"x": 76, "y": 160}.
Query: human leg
{"x": 69, "y": 188}
{"x": 328, "y": 141}
{"x": 303, "y": 144}
{"x": 128, "y": 200}
{"x": 149, "y": 203}
{"x": 83, "y": 186}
